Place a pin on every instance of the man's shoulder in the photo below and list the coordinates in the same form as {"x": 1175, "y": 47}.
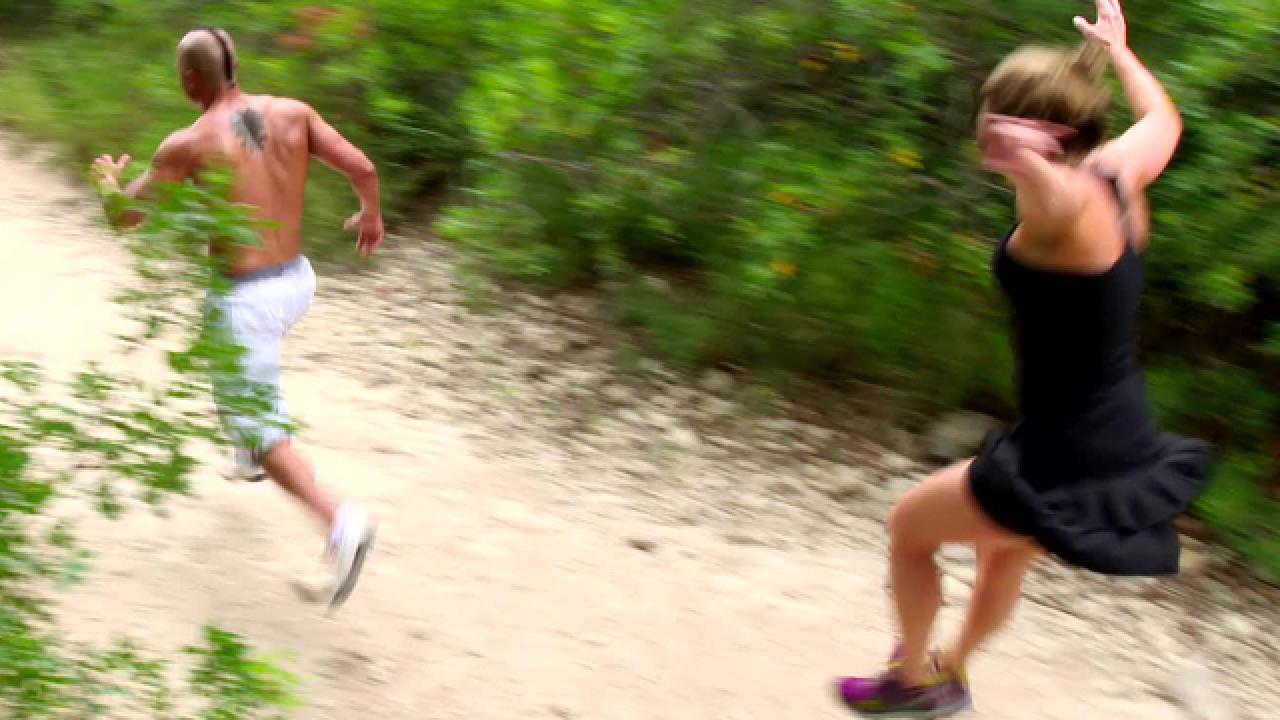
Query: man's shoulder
{"x": 180, "y": 143}
{"x": 287, "y": 106}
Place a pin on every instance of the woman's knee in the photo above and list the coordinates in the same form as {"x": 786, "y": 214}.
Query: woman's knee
{"x": 907, "y": 526}
{"x": 935, "y": 512}
{"x": 893, "y": 525}
{"x": 903, "y": 514}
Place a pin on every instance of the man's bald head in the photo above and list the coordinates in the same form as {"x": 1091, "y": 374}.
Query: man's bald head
{"x": 207, "y": 62}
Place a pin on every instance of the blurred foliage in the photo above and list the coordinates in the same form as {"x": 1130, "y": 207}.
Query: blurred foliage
{"x": 801, "y": 171}
{"x": 96, "y": 436}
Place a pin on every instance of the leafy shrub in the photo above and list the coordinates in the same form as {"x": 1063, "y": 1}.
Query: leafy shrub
{"x": 116, "y": 432}
{"x": 800, "y": 172}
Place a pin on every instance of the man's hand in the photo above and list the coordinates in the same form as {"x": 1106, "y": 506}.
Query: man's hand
{"x": 370, "y": 229}
{"x": 107, "y": 171}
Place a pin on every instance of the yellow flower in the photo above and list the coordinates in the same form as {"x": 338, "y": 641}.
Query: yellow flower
{"x": 847, "y": 53}
{"x": 785, "y": 268}
{"x": 907, "y": 158}
{"x": 814, "y": 65}
{"x": 842, "y": 50}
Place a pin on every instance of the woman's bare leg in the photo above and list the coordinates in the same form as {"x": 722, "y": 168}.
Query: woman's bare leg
{"x": 917, "y": 597}
{"x": 939, "y": 510}
{"x": 996, "y": 592}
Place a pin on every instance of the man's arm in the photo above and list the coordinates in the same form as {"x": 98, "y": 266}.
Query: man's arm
{"x": 172, "y": 163}
{"x": 337, "y": 152}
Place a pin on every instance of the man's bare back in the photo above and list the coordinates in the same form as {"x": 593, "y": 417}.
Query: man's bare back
{"x": 267, "y": 144}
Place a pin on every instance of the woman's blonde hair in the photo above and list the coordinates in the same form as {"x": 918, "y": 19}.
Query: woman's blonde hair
{"x": 1062, "y": 86}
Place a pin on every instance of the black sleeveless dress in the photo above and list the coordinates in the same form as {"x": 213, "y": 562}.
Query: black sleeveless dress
{"x": 1085, "y": 472}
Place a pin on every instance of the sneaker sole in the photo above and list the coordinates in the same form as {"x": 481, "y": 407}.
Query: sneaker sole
{"x": 909, "y": 715}
{"x": 343, "y": 593}
{"x": 235, "y": 477}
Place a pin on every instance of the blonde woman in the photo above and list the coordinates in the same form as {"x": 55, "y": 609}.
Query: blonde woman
{"x": 1084, "y": 474}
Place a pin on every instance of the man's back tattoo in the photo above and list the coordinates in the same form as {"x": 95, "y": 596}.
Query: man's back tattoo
{"x": 251, "y": 128}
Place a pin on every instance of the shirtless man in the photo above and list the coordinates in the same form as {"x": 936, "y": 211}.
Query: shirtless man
{"x": 267, "y": 143}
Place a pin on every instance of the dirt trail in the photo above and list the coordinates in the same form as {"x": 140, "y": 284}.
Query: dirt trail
{"x": 506, "y": 584}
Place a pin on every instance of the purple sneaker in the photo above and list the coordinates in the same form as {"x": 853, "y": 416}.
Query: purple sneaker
{"x": 944, "y": 695}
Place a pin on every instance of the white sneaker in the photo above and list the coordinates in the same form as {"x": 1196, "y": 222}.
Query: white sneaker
{"x": 315, "y": 587}
{"x": 243, "y": 468}
{"x": 349, "y": 544}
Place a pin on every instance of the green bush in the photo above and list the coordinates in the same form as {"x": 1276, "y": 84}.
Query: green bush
{"x": 109, "y": 434}
{"x": 801, "y": 172}
{"x": 803, "y": 175}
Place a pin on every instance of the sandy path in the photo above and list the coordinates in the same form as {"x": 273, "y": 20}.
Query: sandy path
{"x": 499, "y": 590}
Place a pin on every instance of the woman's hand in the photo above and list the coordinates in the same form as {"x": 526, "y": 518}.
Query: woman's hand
{"x": 1110, "y": 30}
{"x": 1011, "y": 145}
{"x": 1024, "y": 150}
{"x": 1143, "y": 152}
